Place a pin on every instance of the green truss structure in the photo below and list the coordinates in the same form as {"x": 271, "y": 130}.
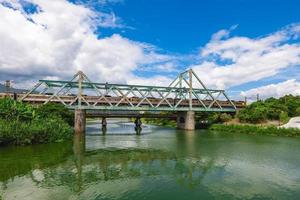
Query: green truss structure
{"x": 186, "y": 93}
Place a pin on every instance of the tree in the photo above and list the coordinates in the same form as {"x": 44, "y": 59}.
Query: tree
{"x": 13, "y": 110}
{"x": 298, "y": 111}
{"x": 224, "y": 117}
{"x": 283, "y": 117}
{"x": 271, "y": 109}
{"x": 55, "y": 110}
{"x": 274, "y": 109}
{"x": 213, "y": 117}
{"x": 254, "y": 113}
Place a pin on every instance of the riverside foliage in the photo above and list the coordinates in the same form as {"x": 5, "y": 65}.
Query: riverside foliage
{"x": 271, "y": 109}
{"x": 256, "y": 130}
{"x": 160, "y": 122}
{"x": 22, "y": 123}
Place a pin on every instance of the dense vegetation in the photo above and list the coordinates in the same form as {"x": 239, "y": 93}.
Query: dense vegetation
{"x": 21, "y": 123}
{"x": 213, "y": 117}
{"x": 256, "y": 130}
{"x": 259, "y": 112}
{"x": 271, "y": 109}
{"x": 160, "y": 122}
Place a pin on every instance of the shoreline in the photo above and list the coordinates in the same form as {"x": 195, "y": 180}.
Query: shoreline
{"x": 256, "y": 130}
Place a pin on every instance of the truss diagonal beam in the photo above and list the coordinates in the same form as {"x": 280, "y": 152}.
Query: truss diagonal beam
{"x": 178, "y": 96}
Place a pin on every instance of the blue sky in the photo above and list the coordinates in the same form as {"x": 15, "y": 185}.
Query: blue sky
{"x": 184, "y": 26}
{"x": 245, "y": 47}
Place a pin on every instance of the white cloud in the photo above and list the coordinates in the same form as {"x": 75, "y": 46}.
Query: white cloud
{"x": 233, "y": 61}
{"x": 222, "y": 34}
{"x": 274, "y": 90}
{"x": 59, "y": 40}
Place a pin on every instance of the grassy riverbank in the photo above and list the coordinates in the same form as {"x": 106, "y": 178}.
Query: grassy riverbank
{"x": 160, "y": 122}
{"x": 22, "y": 124}
{"x": 256, "y": 130}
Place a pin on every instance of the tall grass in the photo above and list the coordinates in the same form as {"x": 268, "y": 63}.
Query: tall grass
{"x": 37, "y": 131}
{"x": 21, "y": 123}
{"x": 160, "y": 122}
{"x": 256, "y": 130}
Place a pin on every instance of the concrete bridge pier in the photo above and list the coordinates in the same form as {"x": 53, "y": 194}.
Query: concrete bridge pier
{"x": 138, "y": 125}
{"x": 186, "y": 120}
{"x": 80, "y": 121}
{"x": 138, "y": 122}
{"x": 104, "y": 122}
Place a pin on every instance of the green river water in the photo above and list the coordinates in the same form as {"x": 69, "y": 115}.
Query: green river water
{"x": 161, "y": 163}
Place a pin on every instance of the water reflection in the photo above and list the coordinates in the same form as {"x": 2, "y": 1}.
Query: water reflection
{"x": 165, "y": 164}
{"x": 109, "y": 165}
{"x": 79, "y": 152}
{"x": 138, "y": 130}
{"x": 104, "y": 130}
{"x": 118, "y": 127}
{"x": 19, "y": 161}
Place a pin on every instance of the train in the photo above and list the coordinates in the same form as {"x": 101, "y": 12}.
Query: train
{"x": 107, "y": 100}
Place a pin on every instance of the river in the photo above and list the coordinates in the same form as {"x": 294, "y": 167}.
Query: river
{"x": 161, "y": 163}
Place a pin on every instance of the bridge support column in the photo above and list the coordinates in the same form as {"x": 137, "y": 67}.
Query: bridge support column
{"x": 80, "y": 120}
{"x": 104, "y": 122}
{"x": 186, "y": 120}
{"x": 138, "y": 125}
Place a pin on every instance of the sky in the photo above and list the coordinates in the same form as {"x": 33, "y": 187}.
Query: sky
{"x": 245, "y": 47}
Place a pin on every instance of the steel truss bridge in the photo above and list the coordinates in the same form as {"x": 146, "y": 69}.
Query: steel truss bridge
{"x": 186, "y": 93}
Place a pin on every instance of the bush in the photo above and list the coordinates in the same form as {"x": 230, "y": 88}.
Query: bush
{"x": 252, "y": 114}
{"x": 22, "y": 123}
{"x": 270, "y": 109}
{"x": 37, "y": 131}
{"x": 224, "y": 117}
{"x": 283, "y": 117}
{"x": 298, "y": 111}
{"x": 274, "y": 110}
{"x": 213, "y": 117}
{"x": 160, "y": 122}
{"x": 11, "y": 110}
{"x": 55, "y": 110}
{"x": 256, "y": 130}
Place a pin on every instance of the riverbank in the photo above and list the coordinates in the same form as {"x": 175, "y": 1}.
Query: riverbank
{"x": 256, "y": 130}
{"x": 23, "y": 124}
{"x": 293, "y": 123}
{"x": 37, "y": 131}
{"x": 160, "y": 122}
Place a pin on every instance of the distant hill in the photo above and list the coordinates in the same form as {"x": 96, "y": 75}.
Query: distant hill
{"x": 3, "y": 89}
